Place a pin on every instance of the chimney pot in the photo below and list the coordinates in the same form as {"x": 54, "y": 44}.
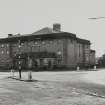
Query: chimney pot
{"x": 57, "y": 27}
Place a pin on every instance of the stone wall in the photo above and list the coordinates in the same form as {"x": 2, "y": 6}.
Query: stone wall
{"x": 72, "y": 53}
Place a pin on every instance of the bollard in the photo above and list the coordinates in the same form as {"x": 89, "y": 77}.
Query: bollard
{"x": 12, "y": 73}
{"x": 30, "y": 68}
{"x": 20, "y": 72}
{"x": 29, "y": 75}
{"x": 78, "y": 68}
{"x": 94, "y": 67}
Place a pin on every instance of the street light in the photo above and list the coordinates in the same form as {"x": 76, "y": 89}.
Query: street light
{"x": 94, "y": 18}
{"x": 59, "y": 55}
{"x": 29, "y": 67}
{"x": 30, "y": 64}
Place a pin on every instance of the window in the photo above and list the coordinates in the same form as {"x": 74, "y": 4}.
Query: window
{"x": 22, "y": 44}
{"x": 2, "y": 45}
{"x": 14, "y": 53}
{"x": 19, "y": 56}
{"x": 2, "y": 52}
{"x": 43, "y": 42}
{"x": 36, "y": 43}
{"x": 87, "y": 46}
{"x": 59, "y": 52}
{"x": 7, "y": 52}
{"x": 7, "y": 45}
{"x": 59, "y": 61}
{"x": 71, "y": 41}
{"x": 51, "y": 41}
{"x": 19, "y": 46}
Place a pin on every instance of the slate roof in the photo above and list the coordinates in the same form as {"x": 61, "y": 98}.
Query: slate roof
{"x": 44, "y": 33}
{"x": 45, "y": 30}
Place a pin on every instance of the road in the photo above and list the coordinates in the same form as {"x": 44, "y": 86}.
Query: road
{"x": 54, "y": 88}
{"x": 89, "y": 81}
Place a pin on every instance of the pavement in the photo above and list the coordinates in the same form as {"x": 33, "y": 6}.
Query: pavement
{"x": 96, "y": 77}
{"x": 53, "y": 88}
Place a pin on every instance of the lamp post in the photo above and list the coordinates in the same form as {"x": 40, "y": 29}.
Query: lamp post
{"x": 29, "y": 67}
{"x": 38, "y": 50}
{"x": 59, "y": 54}
{"x": 96, "y": 18}
{"x": 30, "y": 64}
{"x": 30, "y": 61}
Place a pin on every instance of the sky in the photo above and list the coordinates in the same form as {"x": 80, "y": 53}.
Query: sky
{"x": 28, "y": 16}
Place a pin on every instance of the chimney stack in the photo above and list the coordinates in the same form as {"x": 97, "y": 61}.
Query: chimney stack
{"x": 10, "y": 35}
{"x": 56, "y": 27}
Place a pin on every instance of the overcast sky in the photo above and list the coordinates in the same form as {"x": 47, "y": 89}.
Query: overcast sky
{"x": 28, "y": 16}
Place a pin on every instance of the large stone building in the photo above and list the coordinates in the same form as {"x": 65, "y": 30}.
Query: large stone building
{"x": 48, "y": 47}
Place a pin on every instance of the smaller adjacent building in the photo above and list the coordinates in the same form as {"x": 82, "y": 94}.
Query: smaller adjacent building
{"x": 46, "y": 48}
{"x": 92, "y": 58}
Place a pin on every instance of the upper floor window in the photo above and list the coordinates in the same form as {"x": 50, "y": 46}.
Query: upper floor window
{"x": 71, "y": 41}
{"x": 59, "y": 41}
{"x": 7, "y": 45}
{"x": 87, "y": 46}
{"x": 19, "y": 46}
{"x": 2, "y": 45}
{"x": 22, "y": 44}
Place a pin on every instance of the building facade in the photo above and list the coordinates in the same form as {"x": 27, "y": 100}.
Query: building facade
{"x": 48, "y": 48}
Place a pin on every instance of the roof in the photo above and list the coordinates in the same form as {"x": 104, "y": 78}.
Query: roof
{"x": 43, "y": 33}
{"x": 92, "y": 51}
{"x": 30, "y": 37}
{"x": 83, "y": 41}
{"x": 45, "y": 30}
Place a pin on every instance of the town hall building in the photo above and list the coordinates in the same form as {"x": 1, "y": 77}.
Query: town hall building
{"x": 47, "y": 48}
